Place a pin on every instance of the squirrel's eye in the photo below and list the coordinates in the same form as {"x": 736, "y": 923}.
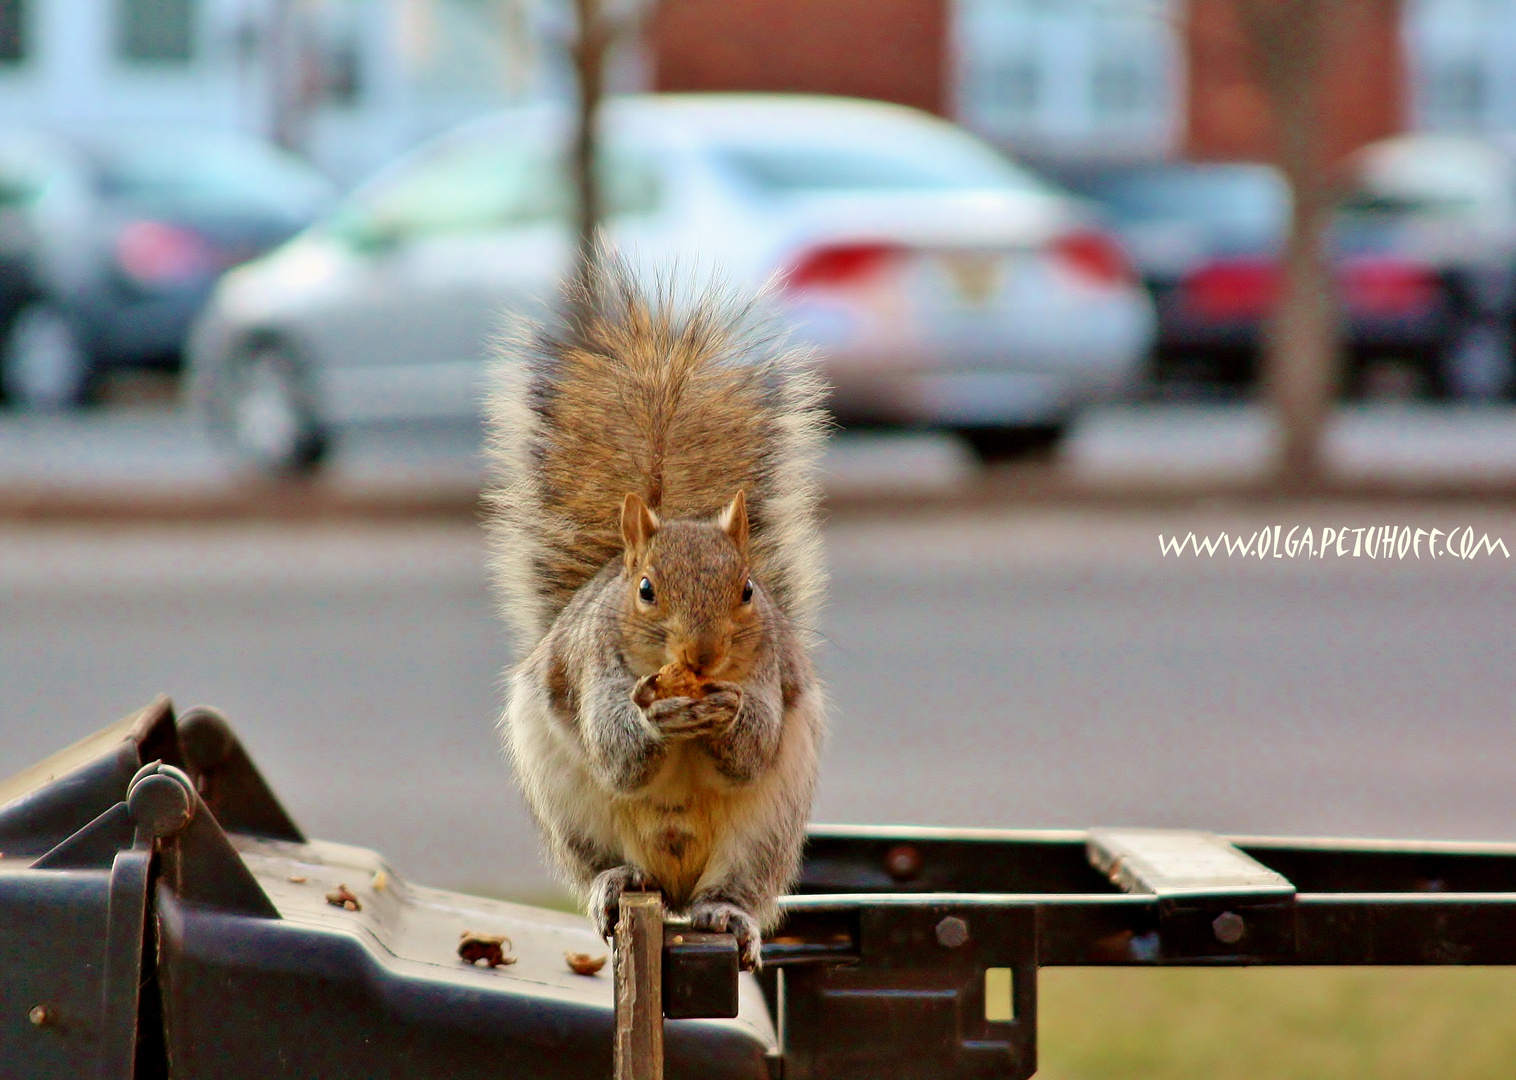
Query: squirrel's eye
{"x": 747, "y": 591}
{"x": 645, "y": 591}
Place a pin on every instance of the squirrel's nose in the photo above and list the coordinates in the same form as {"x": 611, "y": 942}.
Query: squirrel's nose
{"x": 702, "y": 656}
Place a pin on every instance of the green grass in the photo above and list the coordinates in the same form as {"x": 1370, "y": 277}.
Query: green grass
{"x": 1278, "y": 1024}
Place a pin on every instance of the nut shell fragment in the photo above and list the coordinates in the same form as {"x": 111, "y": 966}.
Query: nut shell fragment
{"x": 671, "y": 680}
{"x": 583, "y": 963}
{"x": 493, "y": 949}
{"x": 343, "y": 897}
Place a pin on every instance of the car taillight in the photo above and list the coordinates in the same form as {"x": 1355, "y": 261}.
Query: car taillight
{"x": 840, "y": 265}
{"x": 156, "y": 253}
{"x": 1386, "y": 287}
{"x": 1232, "y": 289}
{"x": 1095, "y": 257}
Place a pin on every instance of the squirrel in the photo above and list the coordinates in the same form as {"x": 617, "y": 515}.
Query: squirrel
{"x": 655, "y": 545}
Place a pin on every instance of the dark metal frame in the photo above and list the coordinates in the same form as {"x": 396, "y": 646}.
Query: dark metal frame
{"x": 149, "y": 928}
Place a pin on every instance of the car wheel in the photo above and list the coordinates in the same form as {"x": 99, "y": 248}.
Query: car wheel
{"x": 44, "y": 365}
{"x": 268, "y": 417}
{"x": 1474, "y": 363}
{"x": 1031, "y": 442}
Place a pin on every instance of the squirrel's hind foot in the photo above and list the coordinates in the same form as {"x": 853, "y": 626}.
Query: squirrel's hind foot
{"x": 605, "y": 895}
{"x": 716, "y": 916}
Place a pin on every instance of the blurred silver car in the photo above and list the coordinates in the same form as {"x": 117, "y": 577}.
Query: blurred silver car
{"x": 941, "y": 284}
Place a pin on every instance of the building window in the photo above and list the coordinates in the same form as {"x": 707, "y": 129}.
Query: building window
{"x": 1070, "y": 78}
{"x": 12, "y": 31}
{"x": 1008, "y": 86}
{"x": 1455, "y": 95}
{"x": 156, "y": 31}
{"x": 1462, "y": 78}
{"x": 1123, "y": 87}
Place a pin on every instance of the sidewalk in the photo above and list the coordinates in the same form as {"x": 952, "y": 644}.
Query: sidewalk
{"x": 158, "y": 463}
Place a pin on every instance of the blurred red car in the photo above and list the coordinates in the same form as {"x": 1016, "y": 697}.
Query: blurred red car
{"x": 1423, "y": 245}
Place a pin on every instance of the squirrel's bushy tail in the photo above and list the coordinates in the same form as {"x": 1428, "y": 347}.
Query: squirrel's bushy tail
{"x": 680, "y": 401}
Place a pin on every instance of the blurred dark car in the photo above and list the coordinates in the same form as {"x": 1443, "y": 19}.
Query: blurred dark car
{"x": 109, "y": 249}
{"x": 1423, "y": 243}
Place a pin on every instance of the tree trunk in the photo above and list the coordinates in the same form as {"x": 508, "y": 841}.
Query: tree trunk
{"x": 590, "y": 48}
{"x": 1302, "y": 343}
{"x": 1302, "y": 350}
{"x": 285, "y": 76}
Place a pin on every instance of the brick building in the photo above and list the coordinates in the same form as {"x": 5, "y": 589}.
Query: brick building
{"x": 1082, "y": 79}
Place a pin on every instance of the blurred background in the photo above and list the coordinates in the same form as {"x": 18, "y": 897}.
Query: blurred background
{"x": 1081, "y": 273}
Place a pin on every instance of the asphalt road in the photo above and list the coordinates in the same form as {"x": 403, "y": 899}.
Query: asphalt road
{"x": 1043, "y": 668}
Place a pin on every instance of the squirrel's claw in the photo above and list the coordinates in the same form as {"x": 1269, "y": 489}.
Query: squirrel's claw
{"x": 645, "y": 692}
{"x": 604, "y": 902}
{"x": 724, "y": 917}
{"x": 687, "y": 718}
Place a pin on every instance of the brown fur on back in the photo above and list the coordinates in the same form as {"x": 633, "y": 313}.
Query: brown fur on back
{"x": 682, "y": 403}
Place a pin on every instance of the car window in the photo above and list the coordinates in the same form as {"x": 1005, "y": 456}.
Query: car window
{"x": 1254, "y": 201}
{"x": 779, "y": 168}
{"x": 209, "y": 174}
{"x": 480, "y": 185}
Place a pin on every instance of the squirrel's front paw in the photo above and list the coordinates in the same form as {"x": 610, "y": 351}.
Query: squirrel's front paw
{"x": 605, "y": 895}
{"x": 724, "y": 917}
{"x": 721, "y": 699}
{"x": 688, "y": 718}
{"x": 674, "y": 717}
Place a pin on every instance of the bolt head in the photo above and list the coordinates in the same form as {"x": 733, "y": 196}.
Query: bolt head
{"x": 903, "y": 862}
{"x": 1228, "y": 927}
{"x": 952, "y": 932}
{"x": 162, "y": 803}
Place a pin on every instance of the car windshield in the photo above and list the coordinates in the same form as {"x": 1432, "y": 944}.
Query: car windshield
{"x": 486, "y": 180}
{"x": 210, "y": 175}
{"x": 1244, "y": 201}
{"x": 941, "y": 164}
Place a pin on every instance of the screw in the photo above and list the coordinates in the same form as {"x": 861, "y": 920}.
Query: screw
{"x": 952, "y": 932}
{"x": 1229, "y": 928}
{"x": 903, "y": 862}
{"x": 40, "y": 1016}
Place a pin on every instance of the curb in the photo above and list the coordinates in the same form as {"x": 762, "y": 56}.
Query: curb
{"x": 290, "y": 501}
{"x": 1031, "y": 486}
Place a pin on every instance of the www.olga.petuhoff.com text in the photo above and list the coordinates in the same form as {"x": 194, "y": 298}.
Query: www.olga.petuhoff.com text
{"x": 1370, "y": 541}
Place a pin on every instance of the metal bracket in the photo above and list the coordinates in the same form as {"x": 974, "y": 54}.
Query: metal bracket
{"x": 956, "y": 980}
{"x": 227, "y": 780}
{"x": 128, "y": 963}
{"x": 46, "y": 804}
{"x": 699, "y": 974}
{"x": 198, "y": 862}
{"x": 1213, "y": 900}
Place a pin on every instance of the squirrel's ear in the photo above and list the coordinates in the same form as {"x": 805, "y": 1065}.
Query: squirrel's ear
{"x": 733, "y": 520}
{"x": 638, "y": 523}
